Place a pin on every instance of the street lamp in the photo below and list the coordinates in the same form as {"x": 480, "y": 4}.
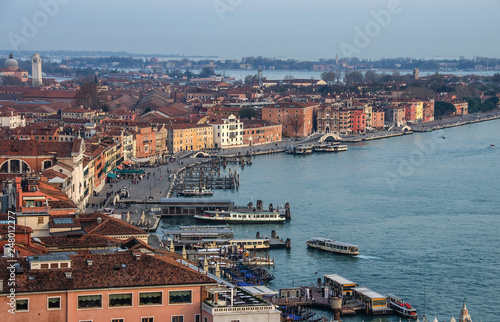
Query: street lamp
{"x": 150, "y": 196}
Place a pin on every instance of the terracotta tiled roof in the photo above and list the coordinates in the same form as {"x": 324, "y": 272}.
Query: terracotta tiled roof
{"x": 173, "y": 110}
{"x": 34, "y": 249}
{"x": 154, "y": 270}
{"x": 35, "y": 93}
{"x": 64, "y": 166}
{"x": 134, "y": 243}
{"x": 20, "y": 229}
{"x": 74, "y": 222}
{"x": 112, "y": 226}
{"x": 83, "y": 241}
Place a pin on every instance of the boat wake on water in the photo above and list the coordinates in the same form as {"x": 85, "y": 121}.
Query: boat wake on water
{"x": 368, "y": 257}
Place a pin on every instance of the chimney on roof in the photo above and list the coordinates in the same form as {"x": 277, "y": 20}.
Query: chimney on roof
{"x": 1, "y": 285}
{"x": 89, "y": 262}
{"x": 70, "y": 283}
{"x": 137, "y": 256}
{"x": 99, "y": 220}
{"x": 68, "y": 275}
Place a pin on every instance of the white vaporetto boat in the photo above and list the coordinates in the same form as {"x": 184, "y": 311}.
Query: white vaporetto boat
{"x": 333, "y": 246}
{"x": 241, "y": 217}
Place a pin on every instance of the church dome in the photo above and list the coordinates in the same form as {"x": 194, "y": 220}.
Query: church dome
{"x": 11, "y": 62}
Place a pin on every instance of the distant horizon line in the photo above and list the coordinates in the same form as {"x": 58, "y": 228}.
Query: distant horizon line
{"x": 156, "y": 55}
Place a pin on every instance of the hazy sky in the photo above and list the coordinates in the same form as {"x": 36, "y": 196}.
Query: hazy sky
{"x": 272, "y": 28}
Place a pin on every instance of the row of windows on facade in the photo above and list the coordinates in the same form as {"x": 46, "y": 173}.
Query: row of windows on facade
{"x": 114, "y": 300}
{"x": 19, "y": 166}
{"x": 61, "y": 138}
{"x": 230, "y": 134}
{"x": 227, "y": 126}
{"x": 223, "y": 140}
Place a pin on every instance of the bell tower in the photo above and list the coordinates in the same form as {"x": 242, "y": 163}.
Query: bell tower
{"x": 36, "y": 70}
{"x": 464, "y": 314}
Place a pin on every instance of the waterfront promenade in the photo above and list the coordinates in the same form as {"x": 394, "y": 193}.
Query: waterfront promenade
{"x": 161, "y": 177}
{"x": 428, "y": 126}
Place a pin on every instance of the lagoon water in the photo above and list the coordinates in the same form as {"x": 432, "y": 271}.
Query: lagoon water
{"x": 423, "y": 208}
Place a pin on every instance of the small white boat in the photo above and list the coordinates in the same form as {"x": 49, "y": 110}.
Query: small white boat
{"x": 196, "y": 192}
{"x": 257, "y": 260}
{"x": 401, "y": 308}
{"x": 333, "y": 246}
{"x": 336, "y": 148}
{"x": 303, "y": 149}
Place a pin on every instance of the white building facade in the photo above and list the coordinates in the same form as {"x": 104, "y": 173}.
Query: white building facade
{"x": 228, "y": 132}
{"x": 12, "y": 120}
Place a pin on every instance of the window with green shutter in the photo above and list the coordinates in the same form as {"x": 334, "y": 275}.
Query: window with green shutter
{"x": 124, "y": 299}
{"x": 54, "y": 303}
{"x": 150, "y": 298}
{"x": 178, "y": 297}
{"x": 22, "y": 305}
{"x": 89, "y": 301}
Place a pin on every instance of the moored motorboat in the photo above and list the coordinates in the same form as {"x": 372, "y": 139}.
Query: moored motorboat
{"x": 302, "y": 149}
{"x": 401, "y": 308}
{"x": 333, "y": 246}
{"x": 196, "y": 192}
{"x": 336, "y": 148}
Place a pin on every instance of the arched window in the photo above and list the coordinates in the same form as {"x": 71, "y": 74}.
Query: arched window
{"x": 46, "y": 164}
{"x": 5, "y": 167}
{"x": 14, "y": 166}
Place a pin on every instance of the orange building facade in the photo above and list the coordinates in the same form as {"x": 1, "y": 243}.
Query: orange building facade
{"x": 145, "y": 141}
{"x": 256, "y": 132}
{"x": 296, "y": 118}
{"x": 378, "y": 120}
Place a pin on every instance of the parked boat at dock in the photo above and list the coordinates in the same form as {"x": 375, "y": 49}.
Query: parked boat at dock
{"x": 333, "y": 246}
{"x": 301, "y": 149}
{"x": 250, "y": 244}
{"x": 196, "y": 192}
{"x": 243, "y": 275}
{"x": 295, "y": 313}
{"x": 329, "y": 147}
{"x": 401, "y": 308}
{"x": 194, "y": 235}
{"x": 336, "y": 148}
{"x": 241, "y": 217}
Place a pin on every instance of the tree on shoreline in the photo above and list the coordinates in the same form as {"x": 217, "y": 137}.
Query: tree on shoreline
{"x": 329, "y": 76}
{"x": 443, "y": 109}
{"x": 295, "y": 122}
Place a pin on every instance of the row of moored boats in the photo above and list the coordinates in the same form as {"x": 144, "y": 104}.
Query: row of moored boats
{"x": 320, "y": 147}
